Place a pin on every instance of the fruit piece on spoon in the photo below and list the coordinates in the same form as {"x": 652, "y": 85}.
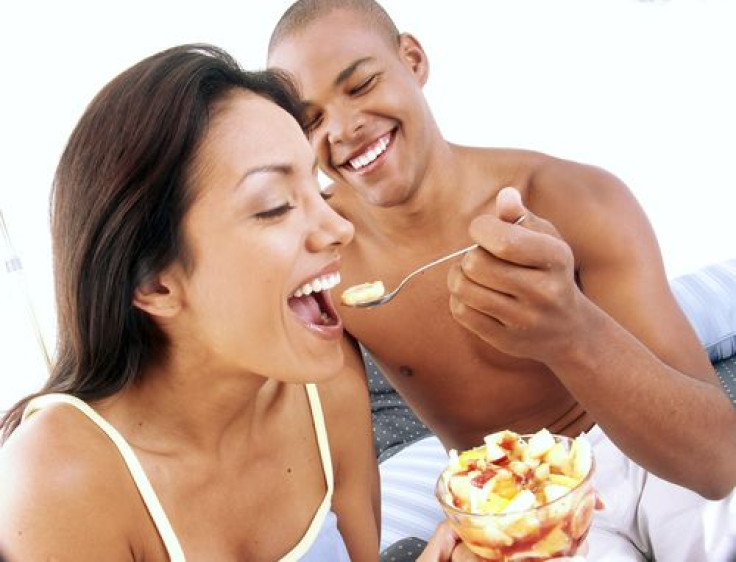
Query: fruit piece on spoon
{"x": 365, "y": 292}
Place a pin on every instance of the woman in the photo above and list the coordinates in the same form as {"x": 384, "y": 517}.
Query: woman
{"x": 186, "y": 220}
{"x": 194, "y": 407}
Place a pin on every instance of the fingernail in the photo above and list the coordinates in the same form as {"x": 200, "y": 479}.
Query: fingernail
{"x": 512, "y": 192}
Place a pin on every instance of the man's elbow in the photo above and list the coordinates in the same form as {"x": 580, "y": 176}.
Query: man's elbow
{"x": 722, "y": 488}
{"x": 716, "y": 491}
{"x": 720, "y": 480}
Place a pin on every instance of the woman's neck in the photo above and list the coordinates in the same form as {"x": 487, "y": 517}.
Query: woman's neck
{"x": 194, "y": 407}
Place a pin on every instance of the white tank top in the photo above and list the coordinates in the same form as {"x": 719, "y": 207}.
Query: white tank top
{"x": 322, "y": 540}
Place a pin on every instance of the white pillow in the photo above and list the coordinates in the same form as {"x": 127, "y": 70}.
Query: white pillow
{"x": 708, "y": 298}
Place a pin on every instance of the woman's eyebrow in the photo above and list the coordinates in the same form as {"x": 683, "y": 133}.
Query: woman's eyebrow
{"x": 283, "y": 169}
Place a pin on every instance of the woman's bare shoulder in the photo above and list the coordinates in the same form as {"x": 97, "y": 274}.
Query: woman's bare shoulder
{"x": 346, "y": 404}
{"x": 63, "y": 489}
{"x": 348, "y": 419}
{"x": 345, "y": 395}
{"x": 57, "y": 442}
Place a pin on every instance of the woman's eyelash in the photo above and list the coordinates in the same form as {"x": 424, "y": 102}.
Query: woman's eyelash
{"x": 275, "y": 212}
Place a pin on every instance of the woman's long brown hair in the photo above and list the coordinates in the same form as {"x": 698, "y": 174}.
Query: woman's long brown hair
{"x": 120, "y": 193}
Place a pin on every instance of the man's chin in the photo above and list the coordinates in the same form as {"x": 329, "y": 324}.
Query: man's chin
{"x": 381, "y": 198}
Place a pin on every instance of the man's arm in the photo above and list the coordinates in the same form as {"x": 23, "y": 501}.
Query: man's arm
{"x": 589, "y": 298}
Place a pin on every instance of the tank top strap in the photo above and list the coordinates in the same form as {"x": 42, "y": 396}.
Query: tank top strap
{"x": 171, "y": 543}
{"x": 318, "y": 422}
{"x": 321, "y": 431}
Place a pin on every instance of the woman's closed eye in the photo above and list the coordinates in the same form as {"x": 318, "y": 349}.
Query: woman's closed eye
{"x": 275, "y": 212}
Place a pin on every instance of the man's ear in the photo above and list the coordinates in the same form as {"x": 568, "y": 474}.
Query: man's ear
{"x": 413, "y": 55}
{"x": 159, "y": 297}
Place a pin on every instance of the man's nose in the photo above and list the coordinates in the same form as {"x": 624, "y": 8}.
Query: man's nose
{"x": 344, "y": 125}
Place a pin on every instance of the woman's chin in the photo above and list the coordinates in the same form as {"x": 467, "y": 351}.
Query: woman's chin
{"x": 324, "y": 367}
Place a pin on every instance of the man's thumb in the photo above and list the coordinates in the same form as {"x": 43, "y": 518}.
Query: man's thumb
{"x": 509, "y": 207}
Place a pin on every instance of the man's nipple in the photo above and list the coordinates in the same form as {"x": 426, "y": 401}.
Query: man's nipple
{"x": 405, "y": 371}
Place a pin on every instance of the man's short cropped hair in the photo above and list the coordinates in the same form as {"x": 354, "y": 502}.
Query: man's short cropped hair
{"x": 303, "y": 12}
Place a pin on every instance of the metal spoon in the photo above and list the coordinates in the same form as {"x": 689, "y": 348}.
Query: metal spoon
{"x": 390, "y": 295}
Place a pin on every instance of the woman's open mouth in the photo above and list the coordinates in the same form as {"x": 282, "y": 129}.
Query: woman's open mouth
{"x": 312, "y": 304}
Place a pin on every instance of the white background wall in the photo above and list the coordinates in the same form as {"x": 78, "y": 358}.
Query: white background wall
{"x": 643, "y": 88}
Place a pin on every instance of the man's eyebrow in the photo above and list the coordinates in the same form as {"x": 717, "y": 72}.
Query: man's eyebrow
{"x": 347, "y": 72}
{"x": 341, "y": 77}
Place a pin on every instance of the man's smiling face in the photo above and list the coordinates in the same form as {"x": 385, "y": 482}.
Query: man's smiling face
{"x": 367, "y": 117}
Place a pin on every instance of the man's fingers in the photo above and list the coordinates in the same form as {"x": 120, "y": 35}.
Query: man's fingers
{"x": 490, "y": 272}
{"x": 528, "y": 244}
{"x": 515, "y": 234}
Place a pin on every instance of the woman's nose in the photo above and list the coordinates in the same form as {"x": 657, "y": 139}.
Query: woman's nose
{"x": 331, "y": 229}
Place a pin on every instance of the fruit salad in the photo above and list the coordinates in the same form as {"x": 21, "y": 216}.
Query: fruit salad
{"x": 365, "y": 292}
{"x": 520, "y": 497}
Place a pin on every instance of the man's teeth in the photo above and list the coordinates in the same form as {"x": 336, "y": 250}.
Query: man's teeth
{"x": 324, "y": 283}
{"x": 371, "y": 154}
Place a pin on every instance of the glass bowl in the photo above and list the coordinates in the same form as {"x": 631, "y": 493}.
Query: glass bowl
{"x": 551, "y": 530}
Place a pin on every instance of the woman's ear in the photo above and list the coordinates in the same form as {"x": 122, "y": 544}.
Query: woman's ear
{"x": 413, "y": 55}
{"x": 159, "y": 297}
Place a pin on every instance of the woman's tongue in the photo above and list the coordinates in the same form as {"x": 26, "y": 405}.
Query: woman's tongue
{"x": 307, "y": 309}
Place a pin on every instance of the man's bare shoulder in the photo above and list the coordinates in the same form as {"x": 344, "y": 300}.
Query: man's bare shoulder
{"x": 542, "y": 169}
{"x": 558, "y": 177}
{"x": 56, "y": 471}
{"x": 499, "y": 159}
{"x": 496, "y": 168}
{"x": 524, "y": 156}
{"x": 573, "y": 194}
{"x": 591, "y": 208}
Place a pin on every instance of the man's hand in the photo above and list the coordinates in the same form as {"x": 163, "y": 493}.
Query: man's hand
{"x": 518, "y": 291}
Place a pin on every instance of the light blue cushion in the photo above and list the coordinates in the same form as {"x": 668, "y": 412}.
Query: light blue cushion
{"x": 708, "y": 298}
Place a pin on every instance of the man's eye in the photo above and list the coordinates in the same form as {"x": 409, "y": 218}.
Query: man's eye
{"x": 275, "y": 212}
{"x": 312, "y": 123}
{"x": 364, "y": 86}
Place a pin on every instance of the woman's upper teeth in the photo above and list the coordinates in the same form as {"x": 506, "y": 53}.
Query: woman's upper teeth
{"x": 373, "y": 152}
{"x": 322, "y": 283}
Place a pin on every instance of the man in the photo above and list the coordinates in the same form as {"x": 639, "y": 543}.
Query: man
{"x": 563, "y": 321}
